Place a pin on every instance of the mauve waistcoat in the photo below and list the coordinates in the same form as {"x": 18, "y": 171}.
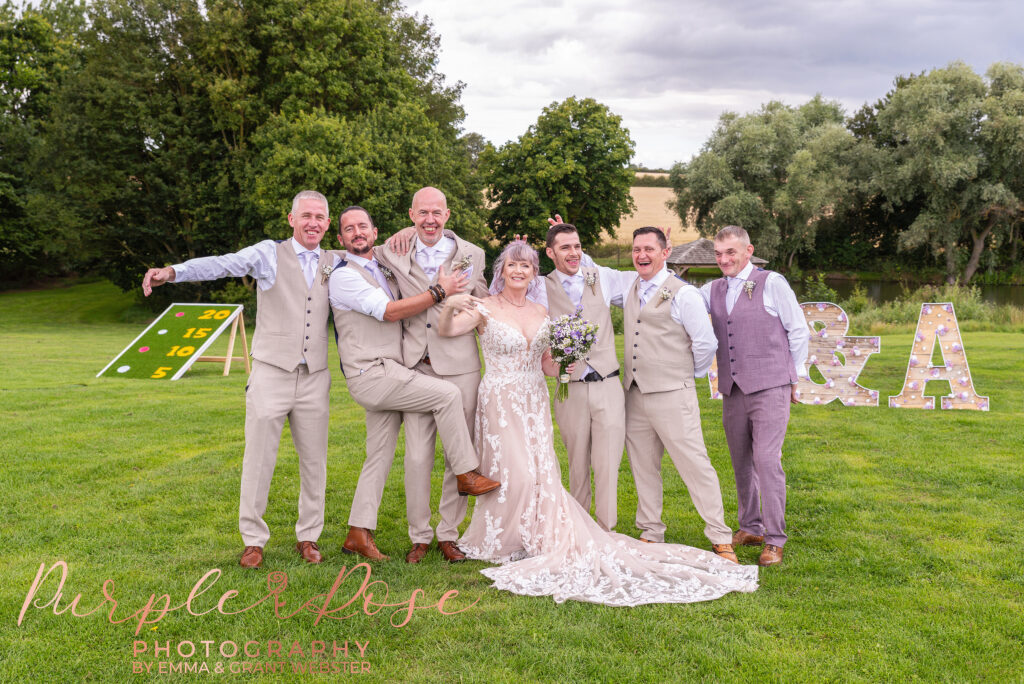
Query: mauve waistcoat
{"x": 753, "y": 349}
{"x": 602, "y": 357}
{"x": 291, "y": 317}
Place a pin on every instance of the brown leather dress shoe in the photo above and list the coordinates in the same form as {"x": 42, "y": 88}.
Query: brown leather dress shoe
{"x": 744, "y": 538}
{"x": 475, "y": 484}
{"x": 360, "y": 540}
{"x": 451, "y": 552}
{"x": 725, "y": 551}
{"x": 252, "y": 557}
{"x": 771, "y": 555}
{"x": 416, "y": 553}
{"x": 309, "y": 551}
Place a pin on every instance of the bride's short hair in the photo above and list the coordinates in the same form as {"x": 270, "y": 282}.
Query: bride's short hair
{"x": 517, "y": 250}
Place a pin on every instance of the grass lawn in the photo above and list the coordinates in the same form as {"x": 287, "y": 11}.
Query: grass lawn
{"x": 902, "y": 562}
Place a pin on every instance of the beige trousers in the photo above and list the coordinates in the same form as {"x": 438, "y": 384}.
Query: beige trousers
{"x": 420, "y": 431}
{"x": 660, "y": 421}
{"x": 271, "y": 396}
{"x": 593, "y": 427}
{"x": 387, "y": 391}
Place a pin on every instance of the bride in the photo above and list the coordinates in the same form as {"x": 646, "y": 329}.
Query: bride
{"x": 546, "y": 543}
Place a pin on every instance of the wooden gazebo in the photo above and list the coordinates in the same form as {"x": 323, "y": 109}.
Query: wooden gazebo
{"x": 700, "y": 252}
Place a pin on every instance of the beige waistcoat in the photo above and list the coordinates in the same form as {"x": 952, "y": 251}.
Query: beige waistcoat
{"x": 291, "y": 317}
{"x": 363, "y": 341}
{"x": 602, "y": 356}
{"x": 657, "y": 350}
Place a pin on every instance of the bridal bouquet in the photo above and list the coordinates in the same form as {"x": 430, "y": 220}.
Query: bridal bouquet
{"x": 571, "y": 338}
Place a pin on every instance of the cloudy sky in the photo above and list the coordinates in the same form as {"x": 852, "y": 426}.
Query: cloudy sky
{"x": 670, "y": 68}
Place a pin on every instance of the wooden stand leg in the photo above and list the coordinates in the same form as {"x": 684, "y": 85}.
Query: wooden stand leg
{"x": 231, "y": 344}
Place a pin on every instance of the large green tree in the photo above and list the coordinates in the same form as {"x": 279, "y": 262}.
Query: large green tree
{"x": 957, "y": 152}
{"x": 777, "y": 172}
{"x": 191, "y": 125}
{"x": 38, "y": 50}
{"x": 574, "y": 161}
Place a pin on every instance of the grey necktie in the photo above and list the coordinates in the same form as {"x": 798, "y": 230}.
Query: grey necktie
{"x": 645, "y": 292}
{"x": 428, "y": 265}
{"x": 309, "y": 266}
{"x": 569, "y": 284}
{"x": 372, "y": 267}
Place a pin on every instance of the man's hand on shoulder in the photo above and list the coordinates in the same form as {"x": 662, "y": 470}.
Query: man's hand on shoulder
{"x": 400, "y": 242}
{"x": 156, "y": 277}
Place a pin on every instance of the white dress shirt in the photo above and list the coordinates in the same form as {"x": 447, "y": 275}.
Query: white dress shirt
{"x": 614, "y": 286}
{"x": 780, "y": 302}
{"x": 688, "y": 311}
{"x": 258, "y": 261}
{"x": 349, "y": 291}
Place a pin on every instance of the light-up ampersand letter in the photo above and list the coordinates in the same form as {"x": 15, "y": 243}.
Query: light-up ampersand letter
{"x": 937, "y": 324}
{"x": 839, "y": 358}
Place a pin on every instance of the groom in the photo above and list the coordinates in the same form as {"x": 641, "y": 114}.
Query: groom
{"x": 668, "y": 342}
{"x": 368, "y": 318}
{"x": 455, "y": 359}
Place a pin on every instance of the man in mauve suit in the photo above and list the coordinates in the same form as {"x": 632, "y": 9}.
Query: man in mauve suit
{"x": 762, "y": 348}
{"x": 289, "y": 377}
{"x": 455, "y": 359}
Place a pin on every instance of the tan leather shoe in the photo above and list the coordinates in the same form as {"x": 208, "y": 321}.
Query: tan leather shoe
{"x": 475, "y": 484}
{"x": 744, "y": 538}
{"x": 725, "y": 551}
{"x": 416, "y": 553}
{"x": 649, "y": 541}
{"x": 252, "y": 557}
{"x": 309, "y": 551}
{"x": 451, "y": 552}
{"x": 360, "y": 540}
{"x": 772, "y": 555}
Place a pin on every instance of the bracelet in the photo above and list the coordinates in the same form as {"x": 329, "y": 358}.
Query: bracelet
{"x": 442, "y": 292}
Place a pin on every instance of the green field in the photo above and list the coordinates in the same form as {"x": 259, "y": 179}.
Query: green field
{"x": 901, "y": 562}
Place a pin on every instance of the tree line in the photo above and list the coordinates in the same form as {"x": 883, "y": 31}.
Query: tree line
{"x": 137, "y": 133}
{"x": 930, "y": 175}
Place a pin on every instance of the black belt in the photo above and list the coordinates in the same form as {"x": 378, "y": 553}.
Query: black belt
{"x": 594, "y": 376}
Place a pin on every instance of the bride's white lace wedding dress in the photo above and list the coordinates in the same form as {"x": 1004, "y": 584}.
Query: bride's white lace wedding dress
{"x": 547, "y": 544}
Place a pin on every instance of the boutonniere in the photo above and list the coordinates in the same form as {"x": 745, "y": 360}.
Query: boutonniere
{"x": 664, "y": 294}
{"x": 591, "y": 280}
{"x": 386, "y": 272}
{"x": 464, "y": 263}
{"x": 325, "y": 273}
{"x": 748, "y": 287}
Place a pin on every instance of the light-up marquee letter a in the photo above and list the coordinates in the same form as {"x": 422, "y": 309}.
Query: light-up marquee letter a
{"x": 937, "y": 324}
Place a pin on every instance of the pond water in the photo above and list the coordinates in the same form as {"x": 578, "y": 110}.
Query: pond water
{"x": 890, "y": 290}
